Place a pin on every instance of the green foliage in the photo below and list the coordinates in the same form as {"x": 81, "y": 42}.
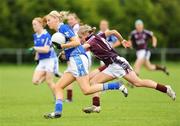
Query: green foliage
{"x": 160, "y": 16}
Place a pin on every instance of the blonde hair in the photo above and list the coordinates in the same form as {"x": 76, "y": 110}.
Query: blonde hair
{"x": 75, "y": 16}
{"x": 41, "y": 20}
{"x": 86, "y": 28}
{"x": 62, "y": 15}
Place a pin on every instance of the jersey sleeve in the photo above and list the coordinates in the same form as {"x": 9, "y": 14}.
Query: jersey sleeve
{"x": 149, "y": 33}
{"x": 113, "y": 38}
{"x": 67, "y": 31}
{"x": 131, "y": 36}
{"x": 76, "y": 29}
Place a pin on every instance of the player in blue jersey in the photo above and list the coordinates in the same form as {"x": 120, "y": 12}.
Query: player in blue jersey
{"x": 74, "y": 22}
{"x": 139, "y": 39}
{"x": 77, "y": 69}
{"x": 48, "y": 63}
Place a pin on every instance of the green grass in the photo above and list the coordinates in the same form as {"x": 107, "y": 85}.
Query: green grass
{"x": 23, "y": 104}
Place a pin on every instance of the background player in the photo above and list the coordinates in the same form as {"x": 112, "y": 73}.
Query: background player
{"x": 139, "y": 39}
{"x": 46, "y": 55}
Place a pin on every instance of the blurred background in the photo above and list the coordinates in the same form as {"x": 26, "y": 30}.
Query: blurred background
{"x": 160, "y": 16}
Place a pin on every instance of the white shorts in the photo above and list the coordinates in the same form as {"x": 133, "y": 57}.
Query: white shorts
{"x": 48, "y": 65}
{"x": 118, "y": 70}
{"x": 78, "y": 66}
{"x": 143, "y": 54}
{"x": 88, "y": 53}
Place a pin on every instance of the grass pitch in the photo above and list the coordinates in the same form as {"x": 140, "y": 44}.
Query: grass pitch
{"x": 23, "y": 104}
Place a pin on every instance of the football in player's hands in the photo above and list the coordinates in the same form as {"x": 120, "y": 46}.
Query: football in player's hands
{"x": 57, "y": 45}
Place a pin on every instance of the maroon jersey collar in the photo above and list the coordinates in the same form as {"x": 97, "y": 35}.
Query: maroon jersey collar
{"x": 89, "y": 36}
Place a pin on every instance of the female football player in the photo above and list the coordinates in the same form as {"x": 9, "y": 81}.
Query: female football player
{"x": 139, "y": 39}
{"x": 77, "y": 64}
{"x": 46, "y": 55}
{"x": 116, "y": 66}
{"x": 74, "y": 22}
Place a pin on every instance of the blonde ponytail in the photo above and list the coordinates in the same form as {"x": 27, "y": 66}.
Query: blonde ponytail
{"x": 62, "y": 15}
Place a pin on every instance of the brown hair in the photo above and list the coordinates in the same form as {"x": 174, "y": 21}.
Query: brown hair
{"x": 42, "y": 21}
{"x": 62, "y": 15}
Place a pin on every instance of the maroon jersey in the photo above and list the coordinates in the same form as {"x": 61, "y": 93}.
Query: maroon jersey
{"x": 140, "y": 39}
{"x": 101, "y": 48}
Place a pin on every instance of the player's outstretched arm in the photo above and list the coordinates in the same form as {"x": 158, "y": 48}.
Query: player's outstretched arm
{"x": 118, "y": 35}
{"x": 154, "y": 41}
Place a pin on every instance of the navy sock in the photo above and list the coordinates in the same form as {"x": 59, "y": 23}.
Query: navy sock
{"x": 111, "y": 86}
{"x": 58, "y": 106}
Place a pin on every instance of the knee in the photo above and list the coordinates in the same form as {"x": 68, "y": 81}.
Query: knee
{"x": 86, "y": 91}
{"x": 35, "y": 82}
{"x": 138, "y": 83}
{"x": 92, "y": 81}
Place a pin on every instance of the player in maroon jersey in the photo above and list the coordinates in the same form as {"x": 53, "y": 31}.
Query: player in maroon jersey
{"x": 139, "y": 39}
{"x": 117, "y": 66}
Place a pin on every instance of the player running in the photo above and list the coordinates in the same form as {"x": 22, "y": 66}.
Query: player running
{"x": 116, "y": 66}
{"x": 48, "y": 63}
{"x": 74, "y": 21}
{"x": 77, "y": 65}
{"x": 139, "y": 39}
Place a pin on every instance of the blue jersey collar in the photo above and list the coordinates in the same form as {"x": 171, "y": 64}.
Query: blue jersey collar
{"x": 59, "y": 25}
{"x": 43, "y": 32}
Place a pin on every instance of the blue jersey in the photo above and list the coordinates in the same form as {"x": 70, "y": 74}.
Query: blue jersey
{"x": 42, "y": 40}
{"x": 68, "y": 33}
{"x": 111, "y": 39}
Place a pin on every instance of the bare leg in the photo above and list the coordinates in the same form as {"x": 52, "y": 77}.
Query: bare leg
{"x": 149, "y": 65}
{"x": 50, "y": 82}
{"x": 99, "y": 78}
{"x": 155, "y": 67}
{"x": 85, "y": 85}
{"x": 63, "y": 82}
{"x": 135, "y": 80}
{"x": 138, "y": 64}
{"x": 38, "y": 77}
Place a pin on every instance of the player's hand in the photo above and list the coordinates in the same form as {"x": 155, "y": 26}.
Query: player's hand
{"x": 126, "y": 44}
{"x": 58, "y": 46}
{"x": 154, "y": 44}
{"x": 31, "y": 50}
{"x": 62, "y": 56}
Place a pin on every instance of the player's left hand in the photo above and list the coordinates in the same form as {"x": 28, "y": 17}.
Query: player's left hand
{"x": 126, "y": 44}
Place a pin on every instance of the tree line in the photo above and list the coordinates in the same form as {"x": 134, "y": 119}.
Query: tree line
{"x": 160, "y": 16}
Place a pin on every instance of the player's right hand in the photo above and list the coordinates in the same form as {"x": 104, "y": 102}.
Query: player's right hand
{"x": 31, "y": 50}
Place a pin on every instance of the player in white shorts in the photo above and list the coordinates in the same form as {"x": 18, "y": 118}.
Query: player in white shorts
{"x": 45, "y": 54}
{"x": 139, "y": 39}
